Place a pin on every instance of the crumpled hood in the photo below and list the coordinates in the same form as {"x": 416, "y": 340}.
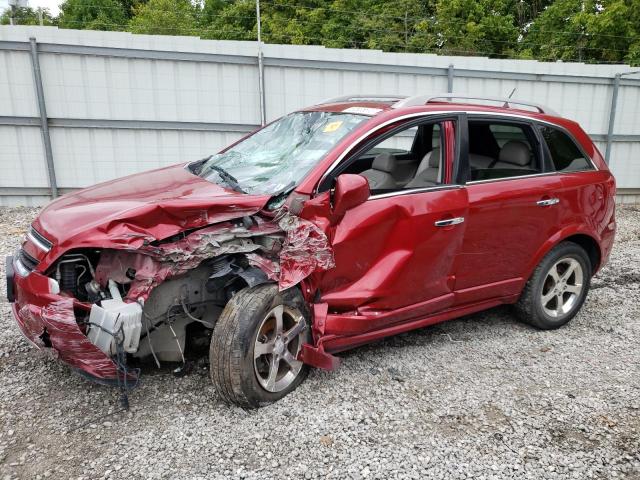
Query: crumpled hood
{"x": 144, "y": 206}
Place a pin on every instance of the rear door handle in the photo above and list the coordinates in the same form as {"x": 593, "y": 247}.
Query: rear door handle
{"x": 547, "y": 202}
{"x": 449, "y": 221}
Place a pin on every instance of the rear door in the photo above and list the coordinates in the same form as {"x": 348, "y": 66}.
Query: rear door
{"x": 394, "y": 253}
{"x": 513, "y": 208}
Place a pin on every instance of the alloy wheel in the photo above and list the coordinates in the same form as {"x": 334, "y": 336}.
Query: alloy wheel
{"x": 562, "y": 287}
{"x": 277, "y": 344}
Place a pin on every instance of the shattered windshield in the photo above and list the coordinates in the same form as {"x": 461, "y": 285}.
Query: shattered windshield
{"x": 277, "y": 157}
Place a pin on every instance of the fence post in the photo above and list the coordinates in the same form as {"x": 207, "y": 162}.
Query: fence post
{"x": 44, "y": 121}
{"x": 263, "y": 114}
{"x": 612, "y": 116}
{"x": 450, "y": 78}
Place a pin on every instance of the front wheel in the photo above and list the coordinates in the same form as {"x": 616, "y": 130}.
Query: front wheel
{"x": 558, "y": 287}
{"x": 255, "y": 345}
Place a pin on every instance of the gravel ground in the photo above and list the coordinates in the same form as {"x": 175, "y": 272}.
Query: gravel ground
{"x": 480, "y": 397}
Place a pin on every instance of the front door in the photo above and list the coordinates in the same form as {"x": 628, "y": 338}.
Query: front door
{"x": 394, "y": 253}
{"x": 391, "y": 253}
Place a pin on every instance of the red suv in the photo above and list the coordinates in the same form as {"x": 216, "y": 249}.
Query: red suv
{"x": 332, "y": 227}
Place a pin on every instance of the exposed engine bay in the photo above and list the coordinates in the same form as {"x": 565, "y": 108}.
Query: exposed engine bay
{"x": 157, "y": 326}
{"x": 150, "y": 304}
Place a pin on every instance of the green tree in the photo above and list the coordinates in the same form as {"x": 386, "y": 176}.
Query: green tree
{"x": 165, "y": 17}
{"x": 220, "y": 19}
{"x": 633, "y": 55}
{"x": 559, "y": 33}
{"x": 614, "y": 31}
{"x": 26, "y": 16}
{"x": 569, "y": 30}
{"x": 381, "y": 24}
{"x": 470, "y": 27}
{"x": 586, "y": 31}
{"x": 92, "y": 15}
{"x": 391, "y": 25}
{"x": 129, "y": 6}
{"x": 297, "y": 22}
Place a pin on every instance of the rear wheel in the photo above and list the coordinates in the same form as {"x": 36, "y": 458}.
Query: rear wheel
{"x": 255, "y": 345}
{"x": 558, "y": 287}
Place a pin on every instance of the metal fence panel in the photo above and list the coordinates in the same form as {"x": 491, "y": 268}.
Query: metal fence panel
{"x": 293, "y": 88}
{"x": 628, "y": 113}
{"x": 119, "y": 103}
{"x": 625, "y": 164}
{"x": 17, "y": 94}
{"x": 21, "y": 157}
{"x": 89, "y": 156}
{"x": 119, "y": 88}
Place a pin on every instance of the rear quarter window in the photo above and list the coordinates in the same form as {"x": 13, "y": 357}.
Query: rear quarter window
{"x": 565, "y": 154}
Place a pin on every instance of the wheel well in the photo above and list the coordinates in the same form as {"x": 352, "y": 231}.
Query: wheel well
{"x": 590, "y": 246}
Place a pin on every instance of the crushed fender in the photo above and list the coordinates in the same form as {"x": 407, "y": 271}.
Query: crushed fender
{"x": 306, "y": 251}
{"x": 287, "y": 249}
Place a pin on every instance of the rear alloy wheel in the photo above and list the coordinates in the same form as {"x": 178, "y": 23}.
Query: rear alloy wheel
{"x": 255, "y": 346}
{"x": 558, "y": 287}
{"x": 562, "y": 287}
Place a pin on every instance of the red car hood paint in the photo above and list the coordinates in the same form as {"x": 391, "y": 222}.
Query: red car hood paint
{"x": 145, "y": 206}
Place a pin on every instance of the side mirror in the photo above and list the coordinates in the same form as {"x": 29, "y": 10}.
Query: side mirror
{"x": 350, "y": 191}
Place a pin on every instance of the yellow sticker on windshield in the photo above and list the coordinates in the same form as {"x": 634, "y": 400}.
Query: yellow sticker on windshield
{"x": 332, "y": 127}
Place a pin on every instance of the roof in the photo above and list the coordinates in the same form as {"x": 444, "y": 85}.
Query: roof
{"x": 375, "y": 104}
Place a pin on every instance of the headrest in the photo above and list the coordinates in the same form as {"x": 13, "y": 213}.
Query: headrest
{"x": 516, "y": 153}
{"x": 384, "y": 162}
{"x": 434, "y": 159}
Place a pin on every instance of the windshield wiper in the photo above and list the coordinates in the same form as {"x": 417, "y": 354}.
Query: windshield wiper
{"x": 278, "y": 198}
{"x": 227, "y": 177}
{"x": 285, "y": 189}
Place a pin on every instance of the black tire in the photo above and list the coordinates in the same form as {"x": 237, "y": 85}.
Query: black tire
{"x": 530, "y": 305}
{"x": 232, "y": 345}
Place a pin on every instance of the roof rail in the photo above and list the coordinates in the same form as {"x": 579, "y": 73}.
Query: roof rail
{"x": 363, "y": 98}
{"x": 424, "y": 99}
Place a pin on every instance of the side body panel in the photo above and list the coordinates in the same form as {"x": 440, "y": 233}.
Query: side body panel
{"x": 587, "y": 201}
{"x": 506, "y": 227}
{"x": 506, "y": 235}
{"x": 390, "y": 255}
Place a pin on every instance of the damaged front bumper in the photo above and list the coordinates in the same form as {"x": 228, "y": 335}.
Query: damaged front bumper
{"x": 48, "y": 321}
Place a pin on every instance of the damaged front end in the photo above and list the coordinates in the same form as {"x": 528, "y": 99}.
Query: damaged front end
{"x": 105, "y": 308}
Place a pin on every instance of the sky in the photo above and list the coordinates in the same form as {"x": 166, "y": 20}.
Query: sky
{"x": 52, "y": 5}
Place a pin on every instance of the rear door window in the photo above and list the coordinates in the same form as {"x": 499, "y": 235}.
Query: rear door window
{"x": 502, "y": 149}
{"x": 565, "y": 155}
{"x": 506, "y": 133}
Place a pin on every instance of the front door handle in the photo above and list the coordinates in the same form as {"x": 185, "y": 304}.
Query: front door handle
{"x": 547, "y": 202}
{"x": 449, "y": 222}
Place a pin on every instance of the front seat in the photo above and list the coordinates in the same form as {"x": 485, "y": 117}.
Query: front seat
{"x": 514, "y": 154}
{"x": 380, "y": 174}
{"x": 427, "y": 173}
